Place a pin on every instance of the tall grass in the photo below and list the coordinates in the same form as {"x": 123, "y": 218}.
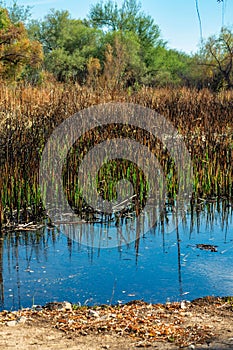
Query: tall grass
{"x": 29, "y": 115}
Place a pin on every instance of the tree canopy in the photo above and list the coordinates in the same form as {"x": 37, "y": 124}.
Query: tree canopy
{"x": 216, "y": 55}
{"x": 114, "y": 46}
{"x": 68, "y": 44}
{"x": 16, "y": 49}
{"x": 127, "y": 18}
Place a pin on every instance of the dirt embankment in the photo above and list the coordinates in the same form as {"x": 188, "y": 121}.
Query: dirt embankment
{"x": 202, "y": 324}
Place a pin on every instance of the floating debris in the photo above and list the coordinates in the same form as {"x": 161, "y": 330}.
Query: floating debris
{"x": 209, "y": 247}
{"x": 29, "y": 227}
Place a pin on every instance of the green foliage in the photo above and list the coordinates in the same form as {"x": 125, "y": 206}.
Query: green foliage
{"x": 19, "y": 13}
{"x": 119, "y": 54}
{"x": 148, "y": 61}
{"x": 68, "y": 44}
{"x": 50, "y": 30}
{"x": 167, "y": 67}
{"x": 4, "y": 19}
{"x": 216, "y": 55}
{"x": 128, "y": 17}
{"x": 116, "y": 46}
{"x": 65, "y": 66}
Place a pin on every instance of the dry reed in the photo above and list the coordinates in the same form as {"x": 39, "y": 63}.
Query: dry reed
{"x": 29, "y": 115}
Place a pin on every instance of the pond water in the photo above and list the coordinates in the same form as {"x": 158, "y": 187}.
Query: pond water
{"x": 47, "y": 265}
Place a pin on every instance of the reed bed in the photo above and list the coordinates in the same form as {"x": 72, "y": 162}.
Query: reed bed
{"x": 28, "y": 116}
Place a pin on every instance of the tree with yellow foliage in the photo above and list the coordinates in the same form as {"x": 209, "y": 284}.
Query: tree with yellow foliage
{"x": 17, "y": 51}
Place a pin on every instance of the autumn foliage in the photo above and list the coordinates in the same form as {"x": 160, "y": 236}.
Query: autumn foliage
{"x": 16, "y": 49}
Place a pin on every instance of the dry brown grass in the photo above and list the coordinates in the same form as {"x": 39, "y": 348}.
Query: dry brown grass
{"x": 28, "y": 116}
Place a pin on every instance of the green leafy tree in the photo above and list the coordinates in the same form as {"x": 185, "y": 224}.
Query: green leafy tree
{"x": 50, "y": 31}
{"x": 129, "y": 23}
{"x": 18, "y": 13}
{"x": 169, "y": 68}
{"x": 127, "y": 18}
{"x": 68, "y": 44}
{"x": 216, "y": 55}
{"x": 120, "y": 58}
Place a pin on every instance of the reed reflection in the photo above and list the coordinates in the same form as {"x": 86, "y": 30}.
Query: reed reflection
{"x": 19, "y": 250}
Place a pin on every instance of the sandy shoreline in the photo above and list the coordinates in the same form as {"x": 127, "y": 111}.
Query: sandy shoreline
{"x": 205, "y": 323}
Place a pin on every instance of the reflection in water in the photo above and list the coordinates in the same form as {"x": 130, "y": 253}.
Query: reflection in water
{"x": 42, "y": 266}
{"x": 1, "y": 272}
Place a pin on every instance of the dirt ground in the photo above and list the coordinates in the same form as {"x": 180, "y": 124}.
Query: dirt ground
{"x": 205, "y": 323}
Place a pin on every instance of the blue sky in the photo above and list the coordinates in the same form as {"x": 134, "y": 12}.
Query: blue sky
{"x": 177, "y": 19}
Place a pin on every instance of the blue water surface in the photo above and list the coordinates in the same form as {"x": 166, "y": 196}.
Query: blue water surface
{"x": 44, "y": 266}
